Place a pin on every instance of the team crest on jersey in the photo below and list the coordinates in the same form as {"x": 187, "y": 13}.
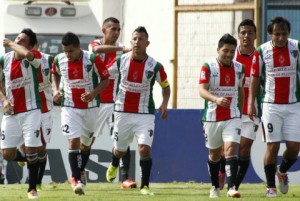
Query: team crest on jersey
{"x": 227, "y": 79}
{"x": 46, "y": 71}
{"x": 149, "y": 74}
{"x": 25, "y": 63}
{"x": 295, "y": 53}
{"x": 88, "y": 67}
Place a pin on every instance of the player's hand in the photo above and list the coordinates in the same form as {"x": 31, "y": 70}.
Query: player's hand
{"x": 8, "y": 107}
{"x": 6, "y": 42}
{"x": 251, "y": 111}
{"x": 57, "y": 97}
{"x": 87, "y": 96}
{"x": 126, "y": 49}
{"x": 164, "y": 112}
{"x": 222, "y": 101}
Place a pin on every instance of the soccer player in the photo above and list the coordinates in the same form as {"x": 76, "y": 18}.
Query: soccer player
{"x": 108, "y": 48}
{"x": 221, "y": 87}
{"x": 244, "y": 54}
{"x": 76, "y": 74}
{"x": 276, "y": 65}
{"x": 45, "y": 90}
{"x": 21, "y": 103}
{"x": 134, "y": 105}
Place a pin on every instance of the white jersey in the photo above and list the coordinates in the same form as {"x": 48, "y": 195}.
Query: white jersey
{"x": 78, "y": 77}
{"x": 278, "y": 69}
{"x": 135, "y": 83}
{"x": 21, "y": 83}
{"x": 223, "y": 82}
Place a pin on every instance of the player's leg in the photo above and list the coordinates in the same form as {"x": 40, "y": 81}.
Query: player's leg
{"x": 144, "y": 132}
{"x": 231, "y": 137}
{"x": 122, "y": 136}
{"x": 124, "y": 167}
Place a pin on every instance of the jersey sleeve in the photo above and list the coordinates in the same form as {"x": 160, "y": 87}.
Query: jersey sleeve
{"x": 36, "y": 62}
{"x": 256, "y": 65}
{"x": 55, "y": 66}
{"x": 161, "y": 76}
{"x": 204, "y": 74}
{"x": 93, "y": 44}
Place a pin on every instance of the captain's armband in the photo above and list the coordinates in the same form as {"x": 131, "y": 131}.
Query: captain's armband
{"x": 164, "y": 84}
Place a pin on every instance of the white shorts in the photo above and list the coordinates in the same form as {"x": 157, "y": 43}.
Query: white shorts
{"x": 104, "y": 119}
{"x": 22, "y": 127}
{"x": 47, "y": 123}
{"x": 249, "y": 127}
{"x": 281, "y": 122}
{"x": 79, "y": 123}
{"x": 128, "y": 125}
{"x": 216, "y": 133}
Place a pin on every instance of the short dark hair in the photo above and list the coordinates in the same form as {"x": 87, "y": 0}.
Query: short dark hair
{"x": 227, "y": 39}
{"x": 141, "y": 29}
{"x": 247, "y": 22}
{"x": 110, "y": 19}
{"x": 70, "y": 39}
{"x": 31, "y": 35}
{"x": 281, "y": 22}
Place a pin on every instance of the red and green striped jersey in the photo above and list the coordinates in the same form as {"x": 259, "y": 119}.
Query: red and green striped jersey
{"x": 223, "y": 82}
{"x": 135, "y": 83}
{"x": 78, "y": 77}
{"x": 21, "y": 81}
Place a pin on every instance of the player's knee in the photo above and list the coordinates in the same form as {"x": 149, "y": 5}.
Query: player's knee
{"x": 9, "y": 154}
{"x": 145, "y": 150}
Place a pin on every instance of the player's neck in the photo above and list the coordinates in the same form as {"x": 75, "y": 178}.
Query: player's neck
{"x": 107, "y": 42}
{"x": 139, "y": 57}
{"x": 245, "y": 50}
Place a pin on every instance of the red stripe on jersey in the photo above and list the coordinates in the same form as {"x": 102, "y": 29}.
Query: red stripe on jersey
{"x": 16, "y": 69}
{"x": 132, "y": 102}
{"x": 227, "y": 78}
{"x": 136, "y": 71}
{"x": 75, "y": 70}
{"x": 19, "y": 96}
{"x": 106, "y": 96}
{"x": 246, "y": 60}
{"x": 76, "y": 97}
{"x": 281, "y": 58}
{"x": 135, "y": 74}
{"x": 44, "y": 102}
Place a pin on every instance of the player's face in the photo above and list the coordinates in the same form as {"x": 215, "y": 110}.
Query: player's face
{"x": 226, "y": 54}
{"x": 72, "y": 52}
{"x": 247, "y": 36}
{"x": 23, "y": 40}
{"x": 279, "y": 36}
{"x": 112, "y": 32}
{"x": 139, "y": 42}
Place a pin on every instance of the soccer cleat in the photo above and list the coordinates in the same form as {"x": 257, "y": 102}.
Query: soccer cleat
{"x": 283, "y": 181}
{"x": 214, "y": 192}
{"x": 83, "y": 177}
{"x": 79, "y": 188}
{"x": 111, "y": 173}
{"x": 232, "y": 193}
{"x": 222, "y": 177}
{"x": 21, "y": 163}
{"x": 73, "y": 182}
{"x": 32, "y": 194}
{"x": 128, "y": 183}
{"x": 146, "y": 191}
{"x": 271, "y": 192}
{"x": 39, "y": 187}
